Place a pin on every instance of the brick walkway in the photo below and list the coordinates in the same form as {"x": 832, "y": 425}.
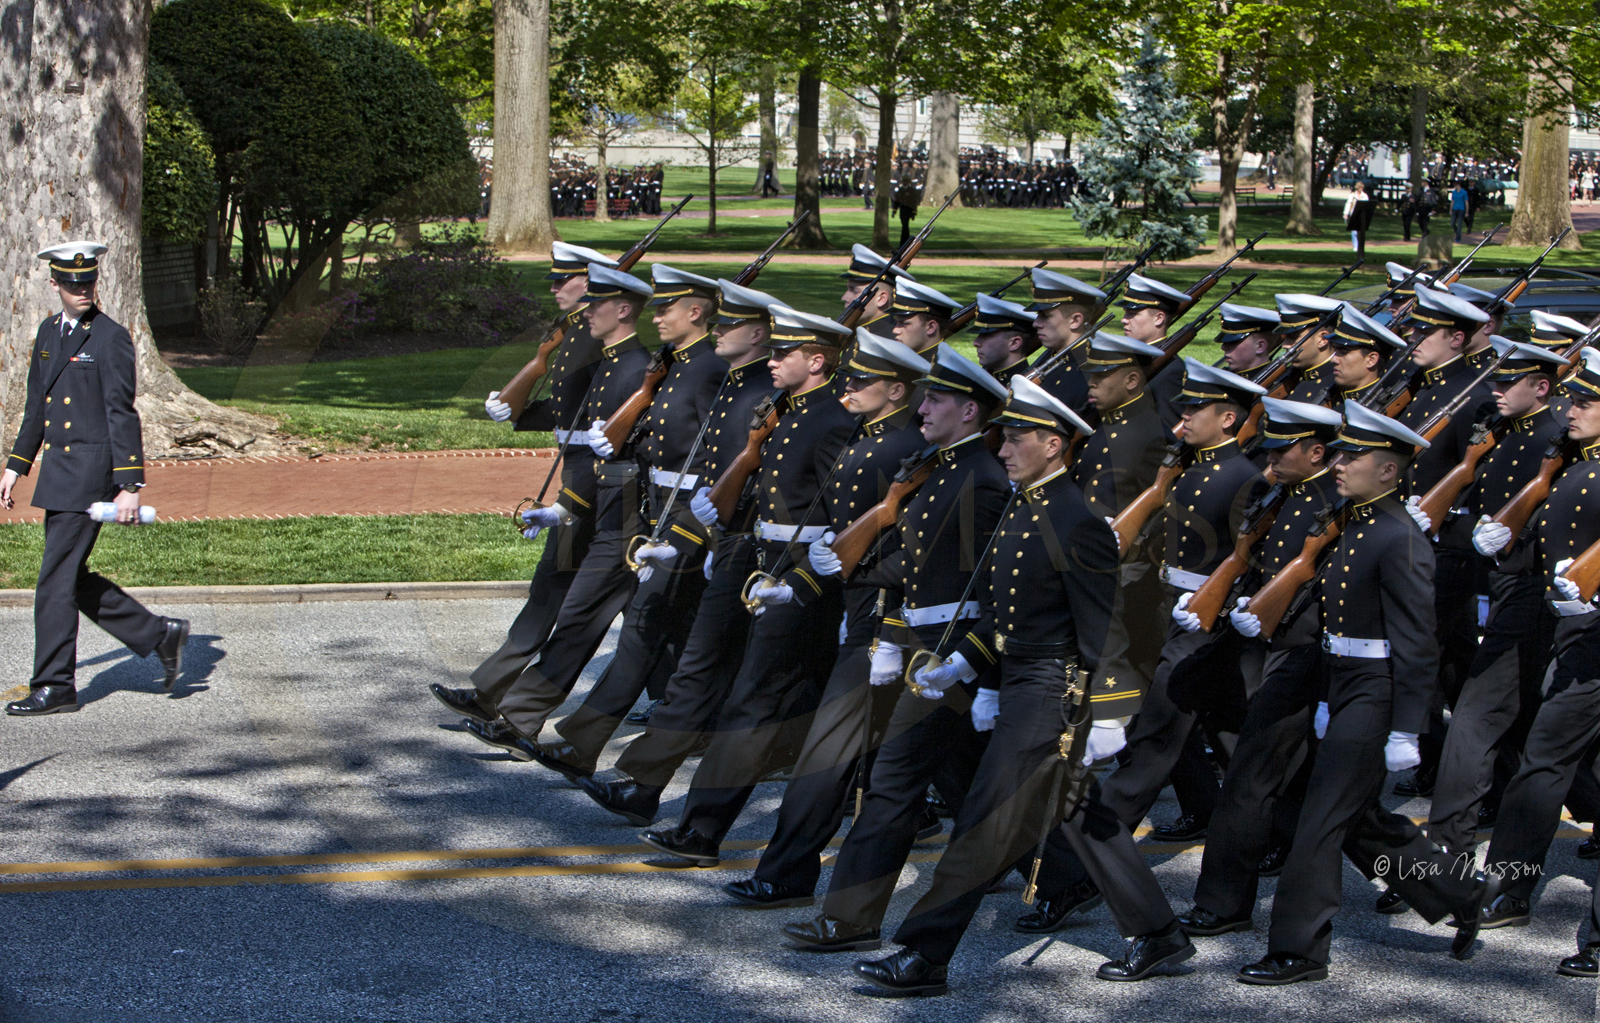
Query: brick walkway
{"x": 281, "y": 486}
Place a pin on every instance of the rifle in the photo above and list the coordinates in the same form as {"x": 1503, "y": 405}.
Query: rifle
{"x": 963, "y": 316}
{"x": 1271, "y": 602}
{"x": 1585, "y": 571}
{"x": 1511, "y": 292}
{"x": 1139, "y": 511}
{"x": 1209, "y": 599}
{"x": 851, "y": 545}
{"x": 1281, "y": 376}
{"x": 1377, "y": 303}
{"x": 858, "y": 306}
{"x": 752, "y": 270}
{"x": 1352, "y": 268}
{"x": 1198, "y": 289}
{"x": 729, "y": 487}
{"x": 1448, "y": 279}
{"x": 1174, "y": 343}
{"x": 517, "y": 391}
{"x": 1121, "y": 276}
{"x": 1046, "y": 365}
{"x": 1441, "y": 497}
{"x": 1514, "y": 515}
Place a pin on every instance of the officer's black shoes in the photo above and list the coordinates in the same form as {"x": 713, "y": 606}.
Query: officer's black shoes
{"x": 1282, "y": 968}
{"x": 1202, "y": 923}
{"x": 498, "y": 734}
{"x": 928, "y": 823}
{"x": 560, "y": 757}
{"x": 767, "y": 895}
{"x": 1589, "y": 849}
{"x": 1419, "y": 784}
{"x": 45, "y": 700}
{"x": 1584, "y": 964}
{"x": 642, "y": 715}
{"x": 1391, "y": 902}
{"x": 1271, "y": 864}
{"x": 1050, "y": 915}
{"x": 1505, "y": 911}
{"x": 1148, "y": 952}
{"x": 463, "y": 701}
{"x": 1187, "y": 828}
{"x": 1485, "y": 897}
{"x": 826, "y": 934}
{"x": 685, "y": 844}
{"x": 635, "y": 803}
{"x": 170, "y": 650}
{"x": 940, "y": 807}
{"x": 1487, "y": 815}
{"x": 905, "y": 974}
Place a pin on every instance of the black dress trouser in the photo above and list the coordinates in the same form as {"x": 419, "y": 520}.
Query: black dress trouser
{"x": 66, "y": 587}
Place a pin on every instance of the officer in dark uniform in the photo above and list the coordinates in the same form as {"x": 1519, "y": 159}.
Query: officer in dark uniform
{"x": 1067, "y": 308}
{"x": 1501, "y": 693}
{"x": 865, "y": 266}
{"x": 1053, "y": 584}
{"x": 794, "y": 639}
{"x": 604, "y": 584}
{"x": 570, "y": 518}
{"x": 1297, "y": 314}
{"x": 1405, "y": 291}
{"x": 945, "y": 530}
{"x": 1005, "y": 337}
{"x": 1556, "y": 333}
{"x": 1569, "y": 718}
{"x": 1380, "y": 648}
{"x": 852, "y": 713}
{"x": 1248, "y": 339}
{"x": 1479, "y": 352}
{"x": 1362, "y": 351}
{"x": 1263, "y": 786}
{"x": 80, "y": 414}
{"x": 657, "y": 621}
{"x": 1149, "y": 310}
{"x": 921, "y": 317}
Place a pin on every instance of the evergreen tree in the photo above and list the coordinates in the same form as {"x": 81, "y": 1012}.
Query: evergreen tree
{"x": 1139, "y": 166}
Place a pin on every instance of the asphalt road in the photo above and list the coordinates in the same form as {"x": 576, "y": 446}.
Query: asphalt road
{"x": 305, "y": 733}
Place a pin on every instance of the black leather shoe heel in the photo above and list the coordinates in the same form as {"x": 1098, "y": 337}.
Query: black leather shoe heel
{"x": 1202, "y": 923}
{"x": 1147, "y": 953}
{"x": 1278, "y": 968}
{"x": 827, "y": 934}
{"x": 463, "y": 701}
{"x": 1051, "y": 915}
{"x": 905, "y": 975}
{"x": 767, "y": 895}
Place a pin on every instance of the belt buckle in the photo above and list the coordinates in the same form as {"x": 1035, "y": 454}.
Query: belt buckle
{"x": 1000, "y": 644}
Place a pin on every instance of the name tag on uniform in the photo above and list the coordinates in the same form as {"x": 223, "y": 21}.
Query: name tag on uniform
{"x": 83, "y": 358}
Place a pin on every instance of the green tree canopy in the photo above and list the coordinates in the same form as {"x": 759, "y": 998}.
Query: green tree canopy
{"x": 180, "y": 183}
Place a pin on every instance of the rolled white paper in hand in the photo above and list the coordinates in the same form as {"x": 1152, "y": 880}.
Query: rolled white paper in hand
{"x": 106, "y": 511}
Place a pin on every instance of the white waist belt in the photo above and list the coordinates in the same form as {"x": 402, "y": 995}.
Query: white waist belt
{"x": 787, "y": 534}
{"x": 1569, "y": 608}
{"x": 663, "y": 478}
{"x": 579, "y": 437}
{"x": 1190, "y": 581}
{"x": 1345, "y": 646}
{"x": 938, "y": 614}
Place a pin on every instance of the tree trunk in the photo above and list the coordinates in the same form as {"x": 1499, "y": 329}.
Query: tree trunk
{"x": 807, "y": 162}
{"x": 1419, "y": 135}
{"x": 1544, "y": 198}
{"x": 73, "y": 81}
{"x": 711, "y": 148}
{"x": 519, "y": 212}
{"x": 1302, "y": 215}
{"x": 887, "y": 101}
{"x": 602, "y": 170}
{"x": 767, "y": 106}
{"x": 944, "y": 149}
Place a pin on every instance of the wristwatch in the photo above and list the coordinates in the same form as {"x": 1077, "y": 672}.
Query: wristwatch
{"x": 132, "y": 488}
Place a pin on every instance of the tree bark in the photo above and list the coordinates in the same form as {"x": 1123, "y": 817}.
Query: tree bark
{"x": 519, "y": 209}
{"x": 1231, "y": 142}
{"x": 1544, "y": 198}
{"x": 767, "y": 107}
{"x": 602, "y": 170}
{"x": 887, "y": 102}
{"x": 944, "y": 149}
{"x": 1302, "y": 215}
{"x": 1419, "y": 135}
{"x": 72, "y": 77}
{"x": 807, "y": 162}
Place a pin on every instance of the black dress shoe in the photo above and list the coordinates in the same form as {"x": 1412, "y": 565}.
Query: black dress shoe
{"x": 45, "y": 700}
{"x": 560, "y": 757}
{"x": 642, "y": 715}
{"x": 1271, "y": 864}
{"x": 826, "y": 934}
{"x": 1419, "y": 784}
{"x": 500, "y": 735}
{"x": 463, "y": 701}
{"x": 1505, "y": 911}
{"x": 635, "y": 803}
{"x": 905, "y": 974}
{"x": 1050, "y": 915}
{"x": 1202, "y": 923}
{"x": 1487, "y": 815}
{"x": 1584, "y": 964}
{"x": 170, "y": 650}
{"x": 767, "y": 895}
{"x": 1471, "y": 918}
{"x": 1281, "y": 968}
{"x": 940, "y": 807}
{"x": 1148, "y": 952}
{"x": 685, "y": 845}
{"x": 1391, "y": 902}
{"x": 928, "y": 823}
{"x": 1185, "y": 829}
{"x": 1589, "y": 849}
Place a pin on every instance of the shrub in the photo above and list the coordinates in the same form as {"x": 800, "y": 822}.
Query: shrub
{"x": 453, "y": 282}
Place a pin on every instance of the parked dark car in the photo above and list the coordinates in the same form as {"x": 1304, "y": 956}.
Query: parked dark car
{"x": 1574, "y": 293}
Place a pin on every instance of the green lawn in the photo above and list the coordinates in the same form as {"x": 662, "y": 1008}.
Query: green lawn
{"x": 323, "y": 549}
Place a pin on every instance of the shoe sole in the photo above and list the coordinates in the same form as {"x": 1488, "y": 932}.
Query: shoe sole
{"x": 699, "y": 861}
{"x": 1495, "y": 925}
{"x": 1567, "y": 971}
{"x": 65, "y": 708}
{"x": 170, "y": 678}
{"x": 1066, "y": 918}
{"x": 1212, "y": 932}
{"x": 1154, "y": 837}
{"x": 865, "y": 945}
{"x": 1318, "y": 974}
{"x": 798, "y": 902}
{"x": 930, "y": 832}
{"x": 504, "y": 747}
{"x": 1185, "y": 953}
{"x": 473, "y": 713}
{"x": 924, "y": 991}
{"x": 566, "y": 770}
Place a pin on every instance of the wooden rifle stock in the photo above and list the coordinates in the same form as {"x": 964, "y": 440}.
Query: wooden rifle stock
{"x": 1272, "y": 601}
{"x": 1585, "y": 571}
{"x": 1439, "y": 499}
{"x": 1209, "y": 599}
{"x": 728, "y": 488}
{"x": 1141, "y": 509}
{"x": 858, "y": 537}
{"x": 1517, "y": 511}
{"x": 621, "y": 422}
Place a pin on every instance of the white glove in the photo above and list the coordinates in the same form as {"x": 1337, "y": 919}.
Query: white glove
{"x": 1110, "y": 521}
{"x": 662, "y": 552}
{"x": 1414, "y": 509}
{"x": 711, "y": 555}
{"x": 886, "y": 664}
{"x": 771, "y": 596}
{"x": 1564, "y": 586}
{"x": 1105, "y": 739}
{"x": 935, "y": 680}
{"x": 1490, "y": 537}
{"x": 541, "y": 518}
{"x": 1183, "y": 616}
{"x": 704, "y": 511}
{"x": 1319, "y": 721}
{"x": 1402, "y": 751}
{"x": 498, "y": 410}
{"x": 1244, "y": 622}
{"x": 598, "y": 443}
{"x": 985, "y": 708}
{"x": 822, "y": 557}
